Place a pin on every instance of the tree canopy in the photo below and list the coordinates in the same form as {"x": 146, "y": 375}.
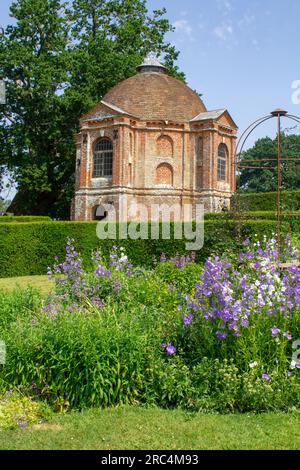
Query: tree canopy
{"x": 265, "y": 179}
{"x": 58, "y": 60}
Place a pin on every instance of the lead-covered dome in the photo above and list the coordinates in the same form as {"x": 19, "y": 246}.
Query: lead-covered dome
{"x": 154, "y": 95}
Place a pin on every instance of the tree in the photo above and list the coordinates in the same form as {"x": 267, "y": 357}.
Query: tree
{"x": 35, "y": 137}
{"x": 265, "y": 179}
{"x": 58, "y": 61}
{"x": 4, "y": 204}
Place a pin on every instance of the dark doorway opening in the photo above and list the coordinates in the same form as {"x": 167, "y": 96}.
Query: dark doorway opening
{"x": 100, "y": 213}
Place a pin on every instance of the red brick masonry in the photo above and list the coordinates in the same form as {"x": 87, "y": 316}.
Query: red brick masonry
{"x": 165, "y": 147}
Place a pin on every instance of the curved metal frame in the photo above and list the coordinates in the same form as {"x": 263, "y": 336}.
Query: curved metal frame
{"x": 239, "y": 164}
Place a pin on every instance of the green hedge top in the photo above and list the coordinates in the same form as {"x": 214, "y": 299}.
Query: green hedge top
{"x": 29, "y": 248}
{"x": 4, "y": 219}
{"x": 290, "y": 201}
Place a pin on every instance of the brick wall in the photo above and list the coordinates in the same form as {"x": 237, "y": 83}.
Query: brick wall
{"x": 152, "y": 157}
{"x": 164, "y": 174}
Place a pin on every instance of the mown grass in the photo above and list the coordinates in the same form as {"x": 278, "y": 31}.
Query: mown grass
{"x": 153, "y": 429}
{"x": 41, "y": 283}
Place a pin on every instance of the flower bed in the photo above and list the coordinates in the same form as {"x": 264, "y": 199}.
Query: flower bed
{"x": 216, "y": 337}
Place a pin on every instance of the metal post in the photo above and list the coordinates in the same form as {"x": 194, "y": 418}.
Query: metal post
{"x": 279, "y": 187}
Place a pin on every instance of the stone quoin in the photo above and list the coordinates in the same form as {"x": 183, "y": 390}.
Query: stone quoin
{"x": 152, "y": 140}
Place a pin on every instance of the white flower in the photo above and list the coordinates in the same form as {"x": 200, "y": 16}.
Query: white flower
{"x": 253, "y": 364}
{"x": 293, "y": 364}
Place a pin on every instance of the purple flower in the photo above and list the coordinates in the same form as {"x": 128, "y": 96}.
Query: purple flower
{"x": 73, "y": 307}
{"x": 170, "y": 349}
{"x": 265, "y": 377}
{"x": 117, "y": 286}
{"x": 71, "y": 268}
{"x": 246, "y": 242}
{"x": 187, "y": 319}
{"x": 287, "y": 335}
{"x": 232, "y": 298}
{"x": 221, "y": 335}
{"x": 22, "y": 423}
{"x": 51, "y": 310}
{"x": 163, "y": 345}
{"x": 101, "y": 271}
{"x": 275, "y": 332}
{"x": 97, "y": 302}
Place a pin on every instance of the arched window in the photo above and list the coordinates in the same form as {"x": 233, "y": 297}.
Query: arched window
{"x": 164, "y": 174}
{"x": 222, "y": 162}
{"x": 103, "y": 159}
{"x": 164, "y": 146}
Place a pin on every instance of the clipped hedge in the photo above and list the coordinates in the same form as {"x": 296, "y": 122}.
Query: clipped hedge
{"x": 292, "y": 220}
{"x": 290, "y": 201}
{"x": 29, "y": 248}
{"x": 4, "y": 219}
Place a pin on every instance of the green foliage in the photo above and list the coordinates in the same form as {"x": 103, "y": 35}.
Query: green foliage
{"x": 112, "y": 356}
{"x": 29, "y": 248}
{"x": 219, "y": 385}
{"x": 19, "y": 411}
{"x": 184, "y": 279}
{"x": 18, "y": 304}
{"x": 102, "y": 357}
{"x": 290, "y": 201}
{"x": 5, "y": 219}
{"x": 265, "y": 179}
{"x": 76, "y": 353}
{"x": 4, "y": 204}
{"x": 58, "y": 60}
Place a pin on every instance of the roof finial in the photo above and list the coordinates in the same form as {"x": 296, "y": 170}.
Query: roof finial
{"x": 151, "y": 64}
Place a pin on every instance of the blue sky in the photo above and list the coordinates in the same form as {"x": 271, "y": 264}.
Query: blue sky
{"x": 242, "y": 55}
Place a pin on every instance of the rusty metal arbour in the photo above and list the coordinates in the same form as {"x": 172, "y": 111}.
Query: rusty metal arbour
{"x": 241, "y": 164}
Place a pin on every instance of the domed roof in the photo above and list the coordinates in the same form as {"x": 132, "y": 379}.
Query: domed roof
{"x": 154, "y": 95}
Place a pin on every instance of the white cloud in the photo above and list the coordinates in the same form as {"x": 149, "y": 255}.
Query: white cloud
{"x": 225, "y": 6}
{"x": 184, "y": 27}
{"x": 246, "y": 20}
{"x": 255, "y": 44}
{"x": 223, "y": 31}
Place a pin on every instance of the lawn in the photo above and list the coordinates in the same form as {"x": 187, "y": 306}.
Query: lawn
{"x": 41, "y": 283}
{"x": 153, "y": 429}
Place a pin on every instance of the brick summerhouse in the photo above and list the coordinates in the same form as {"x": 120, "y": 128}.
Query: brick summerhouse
{"x": 152, "y": 140}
